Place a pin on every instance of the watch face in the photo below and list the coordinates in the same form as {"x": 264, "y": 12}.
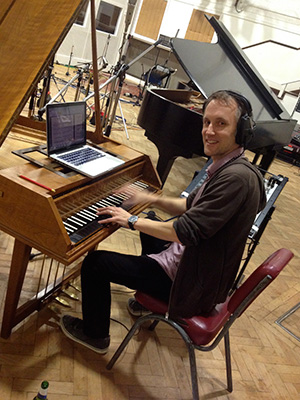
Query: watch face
{"x": 131, "y": 221}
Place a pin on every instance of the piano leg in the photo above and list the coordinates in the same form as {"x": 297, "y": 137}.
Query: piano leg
{"x": 20, "y": 258}
{"x": 267, "y": 160}
{"x": 164, "y": 164}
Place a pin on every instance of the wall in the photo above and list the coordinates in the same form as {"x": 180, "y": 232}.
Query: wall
{"x": 254, "y": 22}
{"x": 277, "y": 21}
{"x": 79, "y": 42}
{"x": 279, "y": 25}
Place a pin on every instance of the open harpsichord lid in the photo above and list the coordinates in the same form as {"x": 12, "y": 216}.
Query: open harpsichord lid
{"x": 30, "y": 34}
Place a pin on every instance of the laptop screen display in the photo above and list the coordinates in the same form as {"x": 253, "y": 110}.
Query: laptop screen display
{"x": 66, "y": 125}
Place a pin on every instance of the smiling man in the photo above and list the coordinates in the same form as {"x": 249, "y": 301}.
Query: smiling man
{"x": 219, "y": 128}
{"x": 196, "y": 271}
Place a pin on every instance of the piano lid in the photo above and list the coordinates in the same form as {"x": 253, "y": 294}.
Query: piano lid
{"x": 223, "y": 65}
{"x": 30, "y": 34}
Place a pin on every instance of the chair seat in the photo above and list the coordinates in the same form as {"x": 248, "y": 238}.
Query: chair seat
{"x": 201, "y": 329}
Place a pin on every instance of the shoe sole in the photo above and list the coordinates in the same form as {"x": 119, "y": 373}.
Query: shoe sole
{"x": 89, "y": 346}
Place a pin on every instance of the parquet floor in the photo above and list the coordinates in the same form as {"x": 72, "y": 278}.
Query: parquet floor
{"x": 266, "y": 359}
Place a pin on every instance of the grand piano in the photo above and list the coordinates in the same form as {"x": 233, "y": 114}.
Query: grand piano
{"x": 57, "y": 220}
{"x": 176, "y": 130}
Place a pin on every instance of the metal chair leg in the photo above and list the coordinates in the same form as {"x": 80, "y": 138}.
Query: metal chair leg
{"x": 190, "y": 346}
{"x": 193, "y": 368}
{"x": 228, "y": 362}
{"x": 123, "y": 344}
{"x": 153, "y": 325}
{"x": 126, "y": 340}
{"x": 192, "y": 357}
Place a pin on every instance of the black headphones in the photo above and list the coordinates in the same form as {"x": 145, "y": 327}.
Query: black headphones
{"x": 245, "y": 124}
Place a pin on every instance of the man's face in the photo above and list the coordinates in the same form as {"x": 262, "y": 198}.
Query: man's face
{"x": 219, "y": 129}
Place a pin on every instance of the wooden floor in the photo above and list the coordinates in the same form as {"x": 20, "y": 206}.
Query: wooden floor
{"x": 266, "y": 358}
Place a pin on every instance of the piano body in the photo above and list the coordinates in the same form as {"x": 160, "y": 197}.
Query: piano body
{"x": 60, "y": 224}
{"x": 176, "y": 130}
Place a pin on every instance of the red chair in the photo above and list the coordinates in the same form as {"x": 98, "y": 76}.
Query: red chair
{"x": 205, "y": 333}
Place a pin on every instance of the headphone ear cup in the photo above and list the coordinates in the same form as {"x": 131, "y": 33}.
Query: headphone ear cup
{"x": 245, "y": 129}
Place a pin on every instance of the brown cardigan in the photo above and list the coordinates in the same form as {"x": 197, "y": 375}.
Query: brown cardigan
{"x": 214, "y": 232}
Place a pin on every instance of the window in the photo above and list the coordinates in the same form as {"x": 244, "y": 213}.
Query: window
{"x": 150, "y": 18}
{"x": 81, "y": 16}
{"x": 199, "y": 28}
{"x": 107, "y": 17}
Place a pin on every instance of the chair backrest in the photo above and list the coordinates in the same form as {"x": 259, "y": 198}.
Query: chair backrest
{"x": 157, "y": 74}
{"x": 258, "y": 281}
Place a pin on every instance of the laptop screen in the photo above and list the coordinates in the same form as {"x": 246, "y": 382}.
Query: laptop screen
{"x": 66, "y": 125}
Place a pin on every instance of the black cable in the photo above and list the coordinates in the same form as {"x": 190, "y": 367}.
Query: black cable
{"x": 124, "y": 326}
{"x": 119, "y": 322}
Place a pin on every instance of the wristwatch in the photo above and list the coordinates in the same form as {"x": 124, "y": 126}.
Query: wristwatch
{"x": 131, "y": 221}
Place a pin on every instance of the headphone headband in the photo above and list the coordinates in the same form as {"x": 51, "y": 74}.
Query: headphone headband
{"x": 241, "y": 100}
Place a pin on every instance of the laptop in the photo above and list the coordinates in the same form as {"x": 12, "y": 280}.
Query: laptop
{"x": 66, "y": 141}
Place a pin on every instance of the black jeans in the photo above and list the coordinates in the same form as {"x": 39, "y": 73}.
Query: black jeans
{"x": 102, "y": 267}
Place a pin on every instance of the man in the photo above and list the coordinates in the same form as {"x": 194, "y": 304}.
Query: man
{"x": 208, "y": 237}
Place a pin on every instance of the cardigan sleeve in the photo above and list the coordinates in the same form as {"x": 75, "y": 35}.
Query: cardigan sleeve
{"x": 221, "y": 199}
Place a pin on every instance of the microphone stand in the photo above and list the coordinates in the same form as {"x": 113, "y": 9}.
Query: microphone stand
{"x": 119, "y": 75}
{"x": 71, "y": 55}
{"x": 64, "y": 89}
{"x": 103, "y": 62}
{"x": 46, "y": 86}
{"x": 117, "y": 80}
{"x": 77, "y": 92}
{"x": 102, "y": 65}
{"x": 113, "y": 104}
{"x": 32, "y": 103}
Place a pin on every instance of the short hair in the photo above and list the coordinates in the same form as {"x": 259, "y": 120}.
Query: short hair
{"x": 226, "y": 96}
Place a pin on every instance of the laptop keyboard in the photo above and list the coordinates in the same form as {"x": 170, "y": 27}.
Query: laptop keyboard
{"x": 81, "y": 156}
